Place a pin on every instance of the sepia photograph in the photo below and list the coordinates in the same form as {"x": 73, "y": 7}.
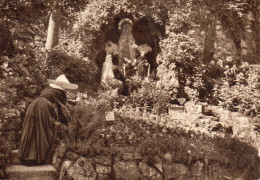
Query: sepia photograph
{"x": 129, "y": 89}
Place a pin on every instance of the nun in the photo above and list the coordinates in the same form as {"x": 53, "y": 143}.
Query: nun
{"x": 43, "y": 118}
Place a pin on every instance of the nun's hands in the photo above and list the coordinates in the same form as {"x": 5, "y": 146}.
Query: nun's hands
{"x": 62, "y": 129}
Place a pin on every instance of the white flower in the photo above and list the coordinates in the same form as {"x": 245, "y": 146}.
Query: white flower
{"x": 5, "y": 65}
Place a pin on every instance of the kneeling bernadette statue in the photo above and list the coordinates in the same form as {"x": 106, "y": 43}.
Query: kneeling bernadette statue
{"x": 42, "y": 119}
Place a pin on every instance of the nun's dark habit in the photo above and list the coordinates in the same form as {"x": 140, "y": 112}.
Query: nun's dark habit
{"x": 39, "y": 131}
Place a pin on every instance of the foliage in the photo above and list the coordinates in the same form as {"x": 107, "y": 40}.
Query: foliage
{"x": 180, "y": 68}
{"x": 85, "y": 25}
{"x": 240, "y": 98}
{"x": 239, "y": 90}
{"x": 180, "y": 61}
{"x": 153, "y": 139}
{"x": 77, "y": 68}
{"x": 21, "y": 79}
{"x": 23, "y": 64}
{"x": 149, "y": 97}
{"x": 25, "y": 22}
{"x": 112, "y": 85}
{"x": 141, "y": 94}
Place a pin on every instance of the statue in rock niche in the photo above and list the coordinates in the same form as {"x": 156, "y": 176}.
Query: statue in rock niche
{"x": 131, "y": 57}
{"x": 126, "y": 43}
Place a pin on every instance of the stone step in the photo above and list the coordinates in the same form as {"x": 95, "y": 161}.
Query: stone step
{"x": 43, "y": 172}
{"x": 14, "y": 157}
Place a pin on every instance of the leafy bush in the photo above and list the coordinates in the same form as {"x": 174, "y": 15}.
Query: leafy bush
{"x": 150, "y": 98}
{"x": 21, "y": 81}
{"x": 179, "y": 61}
{"x": 239, "y": 90}
{"x": 78, "y": 69}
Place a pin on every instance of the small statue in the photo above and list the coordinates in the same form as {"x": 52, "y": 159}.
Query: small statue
{"x": 107, "y": 70}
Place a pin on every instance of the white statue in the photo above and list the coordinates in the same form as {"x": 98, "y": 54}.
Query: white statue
{"x": 107, "y": 70}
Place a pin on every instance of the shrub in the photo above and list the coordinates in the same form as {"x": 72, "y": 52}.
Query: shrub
{"x": 179, "y": 63}
{"x": 79, "y": 69}
{"x": 146, "y": 95}
{"x": 239, "y": 90}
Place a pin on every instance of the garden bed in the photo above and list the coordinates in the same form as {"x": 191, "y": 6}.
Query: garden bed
{"x": 133, "y": 146}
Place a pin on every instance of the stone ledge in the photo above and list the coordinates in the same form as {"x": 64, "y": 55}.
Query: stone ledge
{"x": 47, "y": 172}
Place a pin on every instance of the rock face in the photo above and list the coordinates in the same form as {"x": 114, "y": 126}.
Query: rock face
{"x": 102, "y": 167}
{"x": 127, "y": 167}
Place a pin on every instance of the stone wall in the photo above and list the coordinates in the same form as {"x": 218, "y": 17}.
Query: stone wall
{"x": 131, "y": 165}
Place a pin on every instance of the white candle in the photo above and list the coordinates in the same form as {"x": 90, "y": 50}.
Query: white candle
{"x": 148, "y": 73}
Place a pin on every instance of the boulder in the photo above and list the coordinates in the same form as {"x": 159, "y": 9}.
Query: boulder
{"x": 82, "y": 169}
{"x": 64, "y": 167}
{"x": 103, "y": 172}
{"x": 103, "y": 160}
{"x": 61, "y": 150}
{"x": 71, "y": 156}
{"x": 149, "y": 172}
{"x": 167, "y": 158}
{"x": 224, "y": 116}
{"x": 158, "y": 164}
{"x": 197, "y": 169}
{"x": 127, "y": 170}
{"x": 173, "y": 171}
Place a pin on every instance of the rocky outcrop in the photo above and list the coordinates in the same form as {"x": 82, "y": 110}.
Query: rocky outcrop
{"x": 130, "y": 165}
